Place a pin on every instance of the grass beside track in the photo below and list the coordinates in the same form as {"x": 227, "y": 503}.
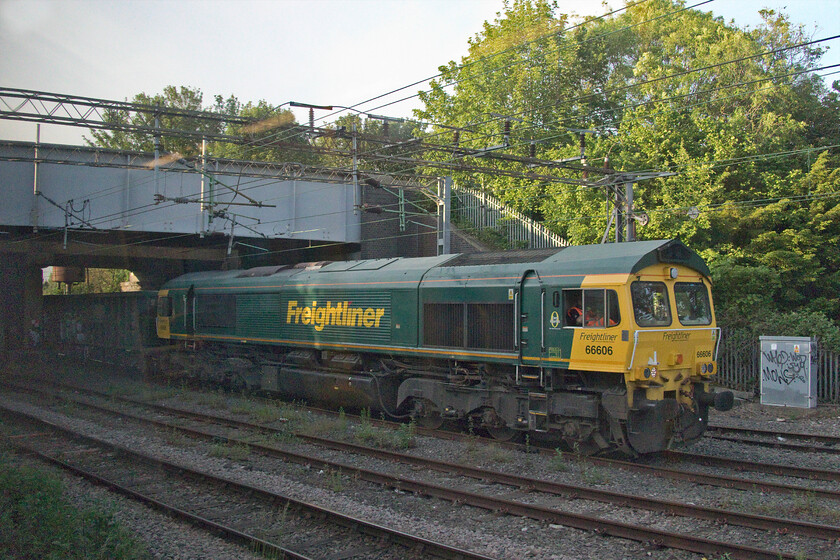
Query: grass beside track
{"x": 37, "y": 521}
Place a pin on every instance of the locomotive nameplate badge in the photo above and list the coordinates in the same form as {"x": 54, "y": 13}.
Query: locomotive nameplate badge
{"x": 510, "y": 294}
{"x": 555, "y": 320}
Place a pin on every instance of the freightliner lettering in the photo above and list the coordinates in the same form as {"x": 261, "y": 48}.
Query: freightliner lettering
{"x": 341, "y": 314}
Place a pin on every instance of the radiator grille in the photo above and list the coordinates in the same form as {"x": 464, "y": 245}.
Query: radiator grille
{"x": 215, "y": 311}
{"x": 443, "y": 324}
{"x": 490, "y": 326}
{"x": 479, "y": 326}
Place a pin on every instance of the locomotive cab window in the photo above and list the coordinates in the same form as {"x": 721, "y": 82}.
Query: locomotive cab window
{"x": 692, "y": 299}
{"x": 595, "y": 308}
{"x": 650, "y": 304}
{"x": 164, "y": 306}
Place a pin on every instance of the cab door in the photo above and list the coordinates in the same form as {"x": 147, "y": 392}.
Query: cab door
{"x": 532, "y": 320}
{"x": 532, "y": 349}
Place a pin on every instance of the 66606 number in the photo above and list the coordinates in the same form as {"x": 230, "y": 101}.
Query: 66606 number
{"x": 599, "y": 350}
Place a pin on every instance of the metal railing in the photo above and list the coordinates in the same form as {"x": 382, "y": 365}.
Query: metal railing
{"x": 739, "y": 364}
{"x": 484, "y": 212}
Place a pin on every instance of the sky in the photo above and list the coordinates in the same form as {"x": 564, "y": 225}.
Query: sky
{"x": 325, "y": 52}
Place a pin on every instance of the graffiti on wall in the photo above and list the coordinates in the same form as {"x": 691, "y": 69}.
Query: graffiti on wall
{"x": 783, "y": 367}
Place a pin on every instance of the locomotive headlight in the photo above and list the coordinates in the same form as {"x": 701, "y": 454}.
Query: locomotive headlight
{"x": 703, "y": 369}
{"x": 711, "y": 368}
{"x": 647, "y": 373}
{"x": 674, "y": 273}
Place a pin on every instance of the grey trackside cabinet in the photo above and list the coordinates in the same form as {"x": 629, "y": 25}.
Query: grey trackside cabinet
{"x": 788, "y": 374}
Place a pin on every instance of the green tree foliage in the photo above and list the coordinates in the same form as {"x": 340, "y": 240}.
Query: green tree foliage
{"x": 736, "y": 114}
{"x": 274, "y": 136}
{"x": 184, "y": 98}
{"x": 97, "y": 281}
{"x": 373, "y": 136}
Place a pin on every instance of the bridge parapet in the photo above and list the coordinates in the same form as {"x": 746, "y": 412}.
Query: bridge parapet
{"x": 92, "y": 189}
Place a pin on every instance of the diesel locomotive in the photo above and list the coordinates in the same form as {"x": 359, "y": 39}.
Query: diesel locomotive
{"x": 603, "y": 347}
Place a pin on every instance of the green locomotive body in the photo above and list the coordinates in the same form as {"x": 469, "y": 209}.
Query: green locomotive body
{"x": 490, "y": 338}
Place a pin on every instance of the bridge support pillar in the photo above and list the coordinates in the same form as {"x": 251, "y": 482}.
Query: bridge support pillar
{"x": 21, "y": 300}
{"x": 153, "y": 277}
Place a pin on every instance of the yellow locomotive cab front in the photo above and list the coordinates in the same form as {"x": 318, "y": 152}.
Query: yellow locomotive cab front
{"x": 673, "y": 352}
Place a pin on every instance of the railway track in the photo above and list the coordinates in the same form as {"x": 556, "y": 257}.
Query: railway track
{"x": 240, "y": 512}
{"x": 753, "y": 466}
{"x": 508, "y": 506}
{"x": 718, "y": 479}
{"x": 815, "y": 443}
{"x": 739, "y": 465}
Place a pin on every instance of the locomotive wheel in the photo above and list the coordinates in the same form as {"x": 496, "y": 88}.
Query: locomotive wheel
{"x": 504, "y": 433}
{"x": 430, "y": 422}
{"x": 427, "y": 415}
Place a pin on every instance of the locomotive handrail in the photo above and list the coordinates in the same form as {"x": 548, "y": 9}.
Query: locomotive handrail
{"x": 542, "y": 320}
{"x": 516, "y": 318}
{"x": 636, "y": 339}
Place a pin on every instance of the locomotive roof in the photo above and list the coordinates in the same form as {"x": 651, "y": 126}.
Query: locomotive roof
{"x": 608, "y": 258}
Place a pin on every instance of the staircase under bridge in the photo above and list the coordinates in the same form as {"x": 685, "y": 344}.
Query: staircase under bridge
{"x": 477, "y": 211}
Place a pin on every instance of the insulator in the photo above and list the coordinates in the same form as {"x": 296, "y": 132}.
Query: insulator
{"x": 532, "y": 150}
{"x": 507, "y": 128}
{"x": 456, "y": 137}
{"x": 311, "y": 119}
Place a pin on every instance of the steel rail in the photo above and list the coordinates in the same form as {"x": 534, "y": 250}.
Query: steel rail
{"x": 577, "y": 521}
{"x": 412, "y": 542}
{"x": 738, "y": 464}
{"x": 810, "y": 447}
{"x": 828, "y": 440}
{"x": 718, "y": 479}
{"x": 530, "y": 483}
{"x": 229, "y": 533}
{"x": 712, "y": 480}
{"x": 665, "y": 472}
